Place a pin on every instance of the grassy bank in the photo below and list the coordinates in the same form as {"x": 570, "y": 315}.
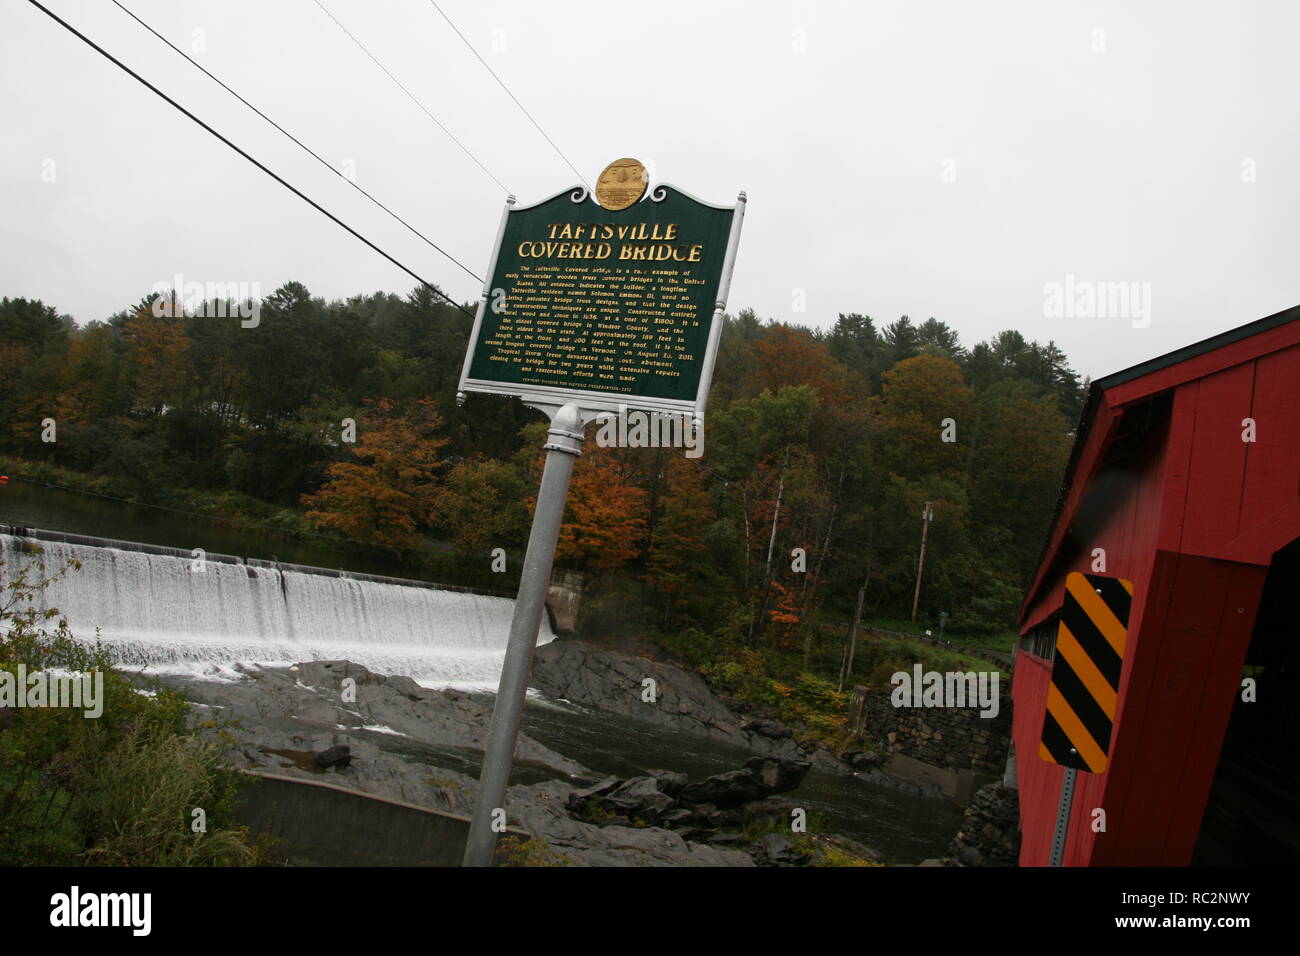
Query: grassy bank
{"x": 1001, "y": 641}
{"x": 808, "y": 698}
{"x": 797, "y": 684}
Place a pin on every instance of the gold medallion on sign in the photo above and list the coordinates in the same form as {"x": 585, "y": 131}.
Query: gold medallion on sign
{"x": 622, "y": 183}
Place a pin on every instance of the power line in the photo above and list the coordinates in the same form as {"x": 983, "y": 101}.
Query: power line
{"x": 411, "y": 95}
{"x": 293, "y": 189}
{"x": 297, "y": 141}
{"x": 503, "y": 86}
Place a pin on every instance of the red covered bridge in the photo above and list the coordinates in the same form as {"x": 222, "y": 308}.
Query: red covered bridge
{"x": 1186, "y": 474}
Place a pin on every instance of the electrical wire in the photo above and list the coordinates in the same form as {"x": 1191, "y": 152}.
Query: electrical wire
{"x": 411, "y": 95}
{"x": 512, "y": 96}
{"x": 297, "y": 141}
{"x": 283, "y": 182}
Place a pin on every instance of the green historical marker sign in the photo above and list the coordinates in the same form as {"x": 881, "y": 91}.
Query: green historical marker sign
{"x": 606, "y": 306}
{"x": 589, "y": 308}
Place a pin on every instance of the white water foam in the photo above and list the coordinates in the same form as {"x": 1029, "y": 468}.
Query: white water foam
{"x": 154, "y": 612}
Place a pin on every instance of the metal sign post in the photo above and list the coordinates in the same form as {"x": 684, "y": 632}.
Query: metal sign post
{"x": 1063, "y": 816}
{"x": 563, "y": 446}
{"x": 1083, "y": 696}
{"x": 589, "y": 309}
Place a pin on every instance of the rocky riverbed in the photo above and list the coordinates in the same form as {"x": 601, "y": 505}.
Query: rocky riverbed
{"x": 389, "y": 736}
{"x": 305, "y": 721}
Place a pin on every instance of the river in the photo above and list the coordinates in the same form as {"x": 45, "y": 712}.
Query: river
{"x": 34, "y": 505}
{"x": 151, "y": 611}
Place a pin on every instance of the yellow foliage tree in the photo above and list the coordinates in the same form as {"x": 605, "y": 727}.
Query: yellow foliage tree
{"x": 156, "y": 350}
{"x": 926, "y": 417}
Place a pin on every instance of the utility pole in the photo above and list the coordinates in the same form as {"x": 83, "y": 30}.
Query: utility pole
{"x": 846, "y": 659}
{"x": 927, "y": 515}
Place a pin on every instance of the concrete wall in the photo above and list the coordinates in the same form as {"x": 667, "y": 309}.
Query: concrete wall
{"x": 319, "y": 824}
{"x": 564, "y": 600}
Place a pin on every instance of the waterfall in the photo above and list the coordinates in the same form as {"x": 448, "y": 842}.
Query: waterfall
{"x": 154, "y": 606}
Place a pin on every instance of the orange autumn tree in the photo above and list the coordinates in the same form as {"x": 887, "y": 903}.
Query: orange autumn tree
{"x": 605, "y": 520}
{"x": 785, "y": 616}
{"x": 391, "y": 488}
{"x": 790, "y": 357}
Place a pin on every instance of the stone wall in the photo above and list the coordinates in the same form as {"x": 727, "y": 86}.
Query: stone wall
{"x": 990, "y": 829}
{"x": 953, "y": 738}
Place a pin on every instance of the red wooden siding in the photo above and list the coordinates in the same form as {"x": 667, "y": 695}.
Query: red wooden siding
{"x": 1273, "y": 462}
{"x": 1192, "y": 518}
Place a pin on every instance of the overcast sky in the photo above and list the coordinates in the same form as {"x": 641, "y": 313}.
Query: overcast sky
{"x": 920, "y": 158}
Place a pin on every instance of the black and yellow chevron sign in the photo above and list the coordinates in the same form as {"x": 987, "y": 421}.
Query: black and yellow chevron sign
{"x": 1090, "y": 644}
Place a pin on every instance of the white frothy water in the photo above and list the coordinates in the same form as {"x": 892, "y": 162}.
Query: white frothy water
{"x": 155, "y": 611}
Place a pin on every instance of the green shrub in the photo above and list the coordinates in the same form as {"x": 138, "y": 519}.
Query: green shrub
{"x": 535, "y": 851}
{"x": 139, "y": 806}
{"x": 692, "y": 647}
{"x": 116, "y": 789}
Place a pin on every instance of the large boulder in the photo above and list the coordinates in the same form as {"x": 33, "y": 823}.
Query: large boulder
{"x": 769, "y": 808}
{"x": 540, "y": 809}
{"x": 862, "y": 760}
{"x": 779, "y": 774}
{"x": 670, "y": 782}
{"x": 728, "y": 789}
{"x": 638, "y": 797}
{"x": 676, "y": 818}
{"x": 769, "y": 728}
{"x": 777, "y": 848}
{"x": 338, "y": 756}
{"x": 604, "y": 787}
{"x": 724, "y": 819}
{"x": 760, "y": 777}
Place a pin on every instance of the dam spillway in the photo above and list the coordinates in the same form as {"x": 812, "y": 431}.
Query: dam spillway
{"x": 165, "y": 609}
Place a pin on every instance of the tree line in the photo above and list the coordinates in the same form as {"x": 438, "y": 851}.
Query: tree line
{"x": 821, "y": 448}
